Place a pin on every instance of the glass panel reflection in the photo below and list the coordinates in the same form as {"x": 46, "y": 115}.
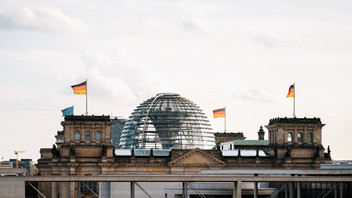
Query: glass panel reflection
{"x": 167, "y": 121}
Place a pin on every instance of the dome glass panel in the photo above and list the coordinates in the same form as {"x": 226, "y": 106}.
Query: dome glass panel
{"x": 167, "y": 121}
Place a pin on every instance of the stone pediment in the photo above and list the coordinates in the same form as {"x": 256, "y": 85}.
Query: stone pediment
{"x": 196, "y": 157}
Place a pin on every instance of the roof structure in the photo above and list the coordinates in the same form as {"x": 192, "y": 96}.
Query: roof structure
{"x": 250, "y": 142}
{"x": 167, "y": 121}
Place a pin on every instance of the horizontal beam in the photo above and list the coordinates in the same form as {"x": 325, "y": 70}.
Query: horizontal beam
{"x": 188, "y": 178}
{"x": 335, "y": 172}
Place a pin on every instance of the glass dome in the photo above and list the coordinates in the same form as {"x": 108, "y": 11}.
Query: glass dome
{"x": 167, "y": 121}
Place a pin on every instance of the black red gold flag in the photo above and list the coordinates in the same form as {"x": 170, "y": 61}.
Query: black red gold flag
{"x": 219, "y": 113}
{"x": 80, "y": 88}
{"x": 291, "y": 91}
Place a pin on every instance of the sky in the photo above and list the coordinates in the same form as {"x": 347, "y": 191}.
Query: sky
{"x": 242, "y": 55}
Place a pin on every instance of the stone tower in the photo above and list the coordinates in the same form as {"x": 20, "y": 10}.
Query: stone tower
{"x": 86, "y": 136}
{"x": 83, "y": 148}
{"x": 293, "y": 140}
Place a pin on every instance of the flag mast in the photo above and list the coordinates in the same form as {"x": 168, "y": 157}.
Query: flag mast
{"x": 225, "y": 120}
{"x": 221, "y": 113}
{"x": 294, "y": 100}
{"x": 81, "y": 88}
{"x": 86, "y": 96}
{"x": 292, "y": 93}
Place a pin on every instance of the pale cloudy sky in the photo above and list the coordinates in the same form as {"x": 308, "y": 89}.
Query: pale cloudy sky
{"x": 240, "y": 54}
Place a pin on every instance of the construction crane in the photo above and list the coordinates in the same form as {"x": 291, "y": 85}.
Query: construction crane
{"x": 16, "y": 153}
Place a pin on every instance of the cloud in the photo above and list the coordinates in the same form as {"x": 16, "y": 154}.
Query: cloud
{"x": 256, "y": 95}
{"x": 270, "y": 40}
{"x": 160, "y": 27}
{"x": 45, "y": 19}
{"x": 200, "y": 26}
{"x": 131, "y": 77}
{"x": 154, "y": 27}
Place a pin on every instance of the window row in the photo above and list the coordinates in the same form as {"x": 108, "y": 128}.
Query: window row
{"x": 88, "y": 187}
{"x": 300, "y": 137}
{"x": 88, "y": 135}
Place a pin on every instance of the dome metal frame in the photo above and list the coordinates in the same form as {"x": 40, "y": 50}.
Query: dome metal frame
{"x": 167, "y": 121}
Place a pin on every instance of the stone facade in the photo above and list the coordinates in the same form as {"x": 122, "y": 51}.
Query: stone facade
{"x": 86, "y": 149}
{"x": 221, "y": 137}
{"x": 296, "y": 140}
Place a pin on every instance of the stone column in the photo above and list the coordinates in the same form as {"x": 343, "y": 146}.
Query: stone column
{"x": 65, "y": 190}
{"x": 237, "y": 189}
{"x": 132, "y": 190}
{"x": 184, "y": 190}
{"x": 72, "y": 187}
{"x": 255, "y": 193}
{"x": 291, "y": 187}
{"x": 53, "y": 190}
{"x": 79, "y": 189}
{"x": 286, "y": 190}
{"x": 298, "y": 189}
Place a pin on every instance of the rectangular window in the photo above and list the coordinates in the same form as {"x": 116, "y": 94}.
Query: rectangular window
{"x": 77, "y": 135}
{"x": 98, "y": 136}
{"x": 87, "y": 136}
{"x": 299, "y": 137}
{"x": 309, "y": 138}
{"x": 289, "y": 137}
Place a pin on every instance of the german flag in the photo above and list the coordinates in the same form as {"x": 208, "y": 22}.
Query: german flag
{"x": 80, "y": 88}
{"x": 218, "y": 113}
{"x": 291, "y": 91}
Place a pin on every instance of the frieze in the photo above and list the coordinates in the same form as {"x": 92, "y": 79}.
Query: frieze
{"x": 140, "y": 165}
{"x": 295, "y": 121}
{"x": 87, "y": 118}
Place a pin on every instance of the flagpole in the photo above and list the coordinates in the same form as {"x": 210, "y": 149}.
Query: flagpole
{"x": 225, "y": 120}
{"x": 294, "y": 100}
{"x": 86, "y": 96}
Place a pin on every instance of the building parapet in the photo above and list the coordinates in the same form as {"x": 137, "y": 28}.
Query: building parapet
{"x": 251, "y": 142}
{"x": 91, "y": 118}
{"x": 231, "y": 134}
{"x": 295, "y": 121}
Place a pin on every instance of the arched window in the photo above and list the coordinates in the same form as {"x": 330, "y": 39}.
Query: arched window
{"x": 299, "y": 137}
{"x": 309, "y": 138}
{"x": 289, "y": 137}
{"x": 98, "y": 136}
{"x": 77, "y": 135}
{"x": 87, "y": 136}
